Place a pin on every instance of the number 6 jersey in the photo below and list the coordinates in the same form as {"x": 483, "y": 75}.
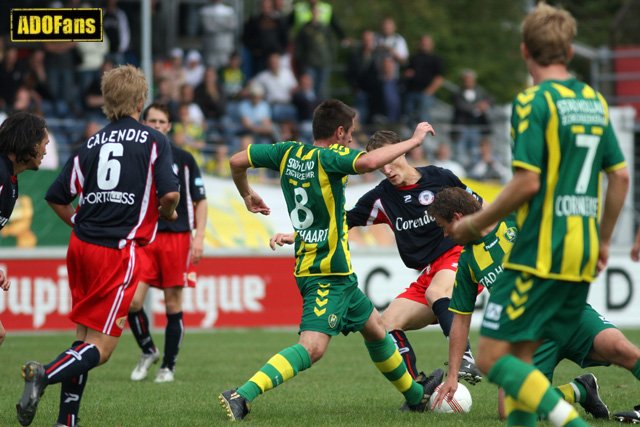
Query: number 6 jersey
{"x": 118, "y": 176}
{"x": 313, "y": 180}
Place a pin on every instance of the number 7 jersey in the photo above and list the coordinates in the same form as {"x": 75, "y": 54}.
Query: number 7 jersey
{"x": 118, "y": 176}
{"x": 561, "y": 130}
{"x": 313, "y": 181}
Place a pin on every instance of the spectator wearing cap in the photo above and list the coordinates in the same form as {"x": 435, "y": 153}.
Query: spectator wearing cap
{"x": 194, "y": 69}
{"x": 255, "y": 118}
{"x": 175, "y": 71}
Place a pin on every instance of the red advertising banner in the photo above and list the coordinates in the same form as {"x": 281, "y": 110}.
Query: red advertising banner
{"x": 231, "y": 291}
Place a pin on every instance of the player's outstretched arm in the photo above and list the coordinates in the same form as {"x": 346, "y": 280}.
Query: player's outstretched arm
{"x": 239, "y": 164}
{"x": 617, "y": 189}
{"x": 522, "y": 187}
{"x": 458, "y": 337}
{"x": 168, "y": 204}
{"x": 65, "y": 212}
{"x": 197, "y": 245}
{"x": 377, "y": 158}
{"x": 281, "y": 239}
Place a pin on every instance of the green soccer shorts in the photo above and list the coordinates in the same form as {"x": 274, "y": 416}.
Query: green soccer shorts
{"x": 577, "y": 349}
{"x": 333, "y": 304}
{"x": 523, "y": 307}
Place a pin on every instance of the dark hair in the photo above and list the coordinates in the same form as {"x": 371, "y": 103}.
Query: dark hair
{"x": 20, "y": 133}
{"x": 157, "y": 106}
{"x": 329, "y": 116}
{"x": 452, "y": 200}
{"x": 382, "y": 138}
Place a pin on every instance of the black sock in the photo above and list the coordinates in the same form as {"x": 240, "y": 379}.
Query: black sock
{"x": 73, "y": 362}
{"x": 172, "y": 339}
{"x": 139, "y": 324}
{"x": 70, "y": 396}
{"x": 445, "y": 317}
{"x": 406, "y": 351}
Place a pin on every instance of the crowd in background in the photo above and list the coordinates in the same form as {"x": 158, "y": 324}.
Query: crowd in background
{"x": 256, "y": 81}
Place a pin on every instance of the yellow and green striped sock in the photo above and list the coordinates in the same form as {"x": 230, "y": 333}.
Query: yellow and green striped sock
{"x": 280, "y": 368}
{"x": 387, "y": 359}
{"x": 531, "y": 388}
{"x": 574, "y": 392}
{"x": 518, "y": 414}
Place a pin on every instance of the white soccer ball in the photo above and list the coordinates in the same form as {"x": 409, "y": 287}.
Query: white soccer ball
{"x": 459, "y": 404}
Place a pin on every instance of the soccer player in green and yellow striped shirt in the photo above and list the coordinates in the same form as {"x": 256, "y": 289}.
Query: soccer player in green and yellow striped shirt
{"x": 562, "y": 140}
{"x": 595, "y": 342}
{"x": 313, "y": 179}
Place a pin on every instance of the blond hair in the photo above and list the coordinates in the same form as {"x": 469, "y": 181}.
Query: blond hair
{"x": 547, "y": 33}
{"x": 124, "y": 90}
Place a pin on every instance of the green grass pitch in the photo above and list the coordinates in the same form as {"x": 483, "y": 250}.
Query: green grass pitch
{"x": 343, "y": 389}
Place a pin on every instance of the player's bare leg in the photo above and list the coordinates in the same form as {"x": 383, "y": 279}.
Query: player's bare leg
{"x": 612, "y": 346}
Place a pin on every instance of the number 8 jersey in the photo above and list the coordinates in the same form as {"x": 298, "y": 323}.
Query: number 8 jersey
{"x": 313, "y": 181}
{"x": 118, "y": 176}
{"x": 561, "y": 130}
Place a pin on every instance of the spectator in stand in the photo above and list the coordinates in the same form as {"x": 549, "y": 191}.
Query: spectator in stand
{"x": 210, "y": 96}
{"x": 393, "y": 43}
{"x": 424, "y": 75}
{"x": 488, "y": 167}
{"x": 219, "y": 24}
{"x": 91, "y": 56}
{"x": 35, "y": 80}
{"x": 165, "y": 95}
{"x": 25, "y": 101}
{"x": 471, "y": 105}
{"x": 387, "y": 105}
{"x": 305, "y": 101}
{"x": 443, "y": 159}
{"x": 60, "y": 61}
{"x": 194, "y": 69}
{"x": 313, "y": 52}
{"x": 303, "y": 13}
{"x": 189, "y": 135}
{"x": 175, "y": 71}
{"x": 11, "y": 75}
{"x": 279, "y": 83}
{"x": 362, "y": 74}
{"x": 92, "y": 98}
{"x": 255, "y": 118}
{"x": 262, "y": 35}
{"x": 116, "y": 27}
{"x": 187, "y": 97}
{"x": 232, "y": 77}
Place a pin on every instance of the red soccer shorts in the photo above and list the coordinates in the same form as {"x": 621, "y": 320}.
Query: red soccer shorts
{"x": 166, "y": 262}
{"x": 102, "y": 281}
{"x": 446, "y": 261}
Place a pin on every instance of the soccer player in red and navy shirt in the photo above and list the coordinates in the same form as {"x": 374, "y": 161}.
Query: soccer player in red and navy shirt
{"x": 23, "y": 140}
{"x": 401, "y": 202}
{"x": 124, "y": 181}
{"x": 167, "y": 262}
